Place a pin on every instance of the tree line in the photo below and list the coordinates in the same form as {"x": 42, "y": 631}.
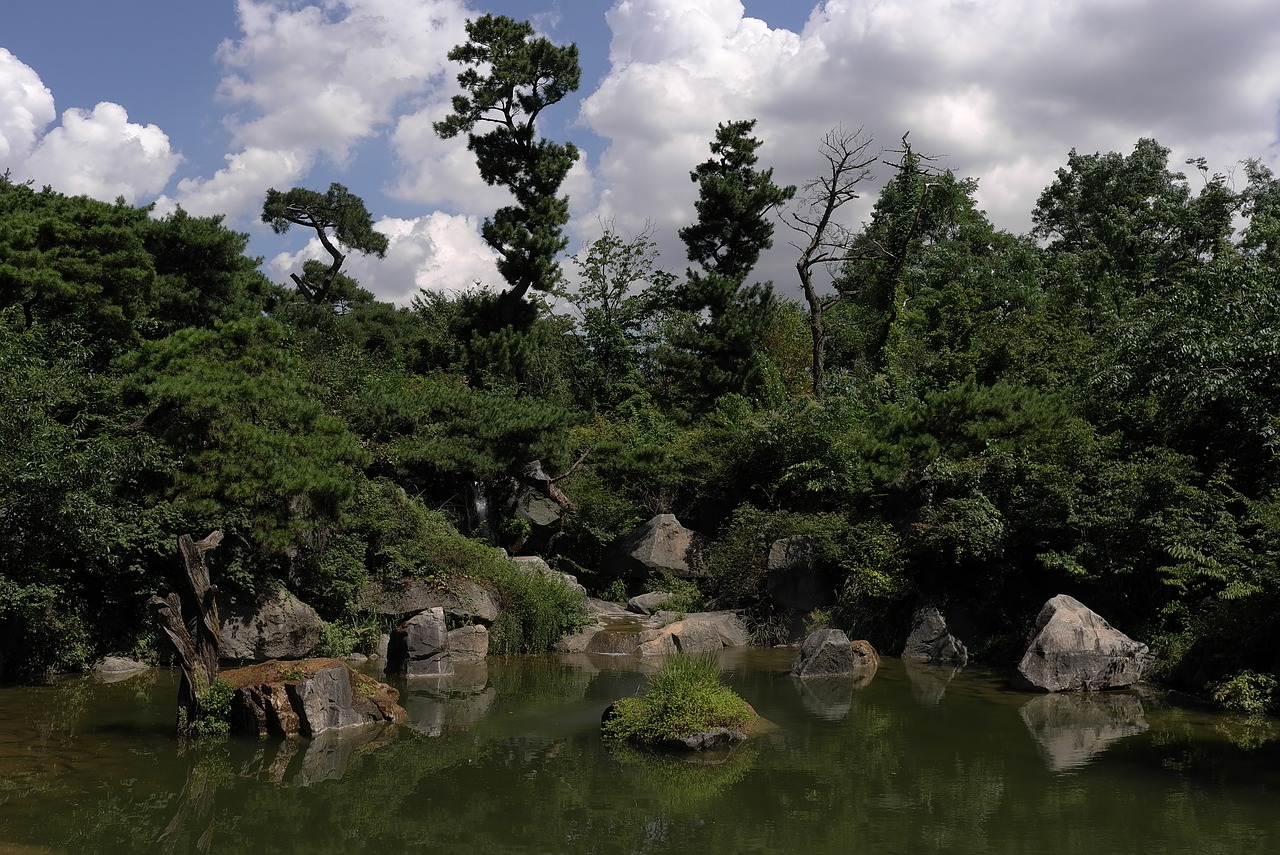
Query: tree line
{"x": 952, "y": 412}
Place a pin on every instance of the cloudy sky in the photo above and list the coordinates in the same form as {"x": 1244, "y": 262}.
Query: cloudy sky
{"x": 206, "y": 105}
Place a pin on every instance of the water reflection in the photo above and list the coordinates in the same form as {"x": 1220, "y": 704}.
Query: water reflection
{"x": 327, "y": 757}
{"x": 928, "y": 682}
{"x": 459, "y": 699}
{"x": 1071, "y": 728}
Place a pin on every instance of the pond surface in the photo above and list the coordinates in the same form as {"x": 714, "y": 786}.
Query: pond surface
{"x": 507, "y": 758}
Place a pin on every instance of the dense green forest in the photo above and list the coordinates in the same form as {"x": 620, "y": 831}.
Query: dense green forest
{"x": 980, "y": 418}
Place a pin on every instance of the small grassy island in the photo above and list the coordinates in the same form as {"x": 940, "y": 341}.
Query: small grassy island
{"x": 687, "y": 706}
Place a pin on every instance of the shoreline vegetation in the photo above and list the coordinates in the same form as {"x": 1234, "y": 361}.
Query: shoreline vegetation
{"x": 954, "y": 414}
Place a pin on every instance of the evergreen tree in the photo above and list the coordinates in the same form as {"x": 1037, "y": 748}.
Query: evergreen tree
{"x": 726, "y": 317}
{"x": 522, "y": 76}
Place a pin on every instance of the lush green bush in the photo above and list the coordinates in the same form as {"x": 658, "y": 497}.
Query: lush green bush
{"x": 1247, "y": 692}
{"x": 685, "y": 696}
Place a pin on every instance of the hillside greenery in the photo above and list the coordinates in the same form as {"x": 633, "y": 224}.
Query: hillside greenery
{"x": 1091, "y": 408}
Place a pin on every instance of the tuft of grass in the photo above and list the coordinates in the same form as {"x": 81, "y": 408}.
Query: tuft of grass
{"x": 685, "y": 696}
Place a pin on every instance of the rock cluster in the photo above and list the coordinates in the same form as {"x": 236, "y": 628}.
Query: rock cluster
{"x": 307, "y": 697}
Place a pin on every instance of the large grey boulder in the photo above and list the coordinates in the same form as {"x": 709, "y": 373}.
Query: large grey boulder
{"x": 647, "y": 604}
{"x": 465, "y": 600}
{"x": 659, "y": 547}
{"x": 930, "y": 643}
{"x": 420, "y": 646}
{"x": 279, "y": 627}
{"x": 534, "y": 564}
{"x": 828, "y": 652}
{"x": 659, "y": 635}
{"x": 1074, "y": 649}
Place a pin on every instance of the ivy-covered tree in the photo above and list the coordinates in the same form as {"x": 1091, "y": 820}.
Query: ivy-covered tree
{"x": 340, "y": 221}
{"x": 509, "y": 79}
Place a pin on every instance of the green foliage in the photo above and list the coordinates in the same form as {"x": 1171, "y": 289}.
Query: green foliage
{"x": 537, "y": 609}
{"x": 1247, "y": 692}
{"x": 340, "y": 221}
{"x": 621, "y": 290}
{"x": 234, "y": 404}
{"x": 213, "y": 711}
{"x": 685, "y": 596}
{"x": 685, "y": 696}
{"x": 522, "y": 76}
{"x": 345, "y": 637}
{"x": 725, "y": 317}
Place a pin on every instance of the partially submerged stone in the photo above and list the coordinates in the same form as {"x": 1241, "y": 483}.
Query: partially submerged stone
{"x": 420, "y": 646}
{"x": 307, "y": 697}
{"x": 1075, "y": 649}
{"x": 931, "y": 643}
{"x": 827, "y": 652}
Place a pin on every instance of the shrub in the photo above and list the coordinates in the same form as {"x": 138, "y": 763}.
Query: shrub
{"x": 1247, "y": 692}
{"x": 685, "y": 696}
{"x": 213, "y": 710}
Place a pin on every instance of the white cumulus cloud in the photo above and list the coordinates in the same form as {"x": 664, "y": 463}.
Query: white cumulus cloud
{"x": 97, "y": 152}
{"x": 437, "y": 252}
{"x": 315, "y": 80}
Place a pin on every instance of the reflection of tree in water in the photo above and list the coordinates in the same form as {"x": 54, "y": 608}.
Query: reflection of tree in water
{"x": 192, "y": 826}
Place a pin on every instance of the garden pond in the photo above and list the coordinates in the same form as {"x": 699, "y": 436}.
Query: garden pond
{"x": 506, "y": 757}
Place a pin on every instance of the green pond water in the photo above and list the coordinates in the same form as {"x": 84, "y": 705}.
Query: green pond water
{"x": 507, "y": 757}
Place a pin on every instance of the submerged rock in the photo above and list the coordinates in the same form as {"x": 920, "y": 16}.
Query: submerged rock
{"x": 307, "y": 697}
{"x": 1075, "y": 649}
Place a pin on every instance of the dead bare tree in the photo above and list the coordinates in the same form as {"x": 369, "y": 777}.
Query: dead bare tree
{"x": 190, "y": 619}
{"x": 825, "y": 240}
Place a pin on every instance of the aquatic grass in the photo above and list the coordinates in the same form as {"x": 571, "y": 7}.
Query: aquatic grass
{"x": 685, "y": 696}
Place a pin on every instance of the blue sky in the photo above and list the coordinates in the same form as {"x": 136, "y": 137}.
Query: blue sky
{"x": 207, "y": 104}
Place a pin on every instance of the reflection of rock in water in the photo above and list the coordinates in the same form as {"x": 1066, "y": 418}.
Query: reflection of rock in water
{"x": 928, "y": 682}
{"x": 458, "y": 699}
{"x": 303, "y": 762}
{"x": 829, "y": 698}
{"x": 1071, "y": 729}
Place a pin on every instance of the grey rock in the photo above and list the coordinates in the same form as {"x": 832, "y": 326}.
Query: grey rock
{"x": 930, "y": 643}
{"x": 469, "y": 644}
{"x": 717, "y": 737}
{"x": 420, "y": 646}
{"x": 647, "y": 604}
{"x": 324, "y": 702}
{"x": 462, "y": 599}
{"x": 534, "y": 564}
{"x": 279, "y": 627}
{"x": 113, "y": 669}
{"x": 1075, "y": 649}
{"x": 537, "y": 510}
{"x": 660, "y": 546}
{"x": 828, "y": 652}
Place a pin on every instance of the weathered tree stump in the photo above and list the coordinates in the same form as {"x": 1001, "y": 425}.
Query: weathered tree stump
{"x": 190, "y": 619}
